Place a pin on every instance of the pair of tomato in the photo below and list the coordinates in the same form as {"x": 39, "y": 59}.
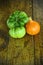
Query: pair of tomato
{"x": 16, "y": 23}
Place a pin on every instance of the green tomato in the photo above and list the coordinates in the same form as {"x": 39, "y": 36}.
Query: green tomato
{"x": 23, "y": 18}
{"x": 17, "y": 32}
{"x": 16, "y": 19}
{"x": 10, "y": 24}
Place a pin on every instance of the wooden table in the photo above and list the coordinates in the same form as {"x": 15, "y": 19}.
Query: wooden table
{"x": 25, "y": 51}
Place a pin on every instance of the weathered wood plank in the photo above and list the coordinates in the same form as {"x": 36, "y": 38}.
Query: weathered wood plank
{"x": 38, "y": 39}
{"x": 19, "y": 51}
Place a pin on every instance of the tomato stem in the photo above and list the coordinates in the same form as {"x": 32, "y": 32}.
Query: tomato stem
{"x": 30, "y": 19}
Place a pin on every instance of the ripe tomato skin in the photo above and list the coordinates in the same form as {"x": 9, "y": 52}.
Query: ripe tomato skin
{"x": 32, "y": 27}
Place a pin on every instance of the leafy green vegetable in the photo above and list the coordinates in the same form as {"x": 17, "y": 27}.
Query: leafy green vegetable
{"x": 18, "y": 18}
{"x": 18, "y": 32}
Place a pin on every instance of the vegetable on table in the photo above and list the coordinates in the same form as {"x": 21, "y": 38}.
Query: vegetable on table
{"x": 16, "y": 19}
{"x": 32, "y": 27}
{"x": 17, "y": 32}
{"x": 16, "y": 22}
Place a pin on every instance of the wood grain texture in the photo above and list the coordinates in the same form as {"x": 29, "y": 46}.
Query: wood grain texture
{"x": 28, "y": 50}
{"x": 38, "y": 39}
{"x": 19, "y": 51}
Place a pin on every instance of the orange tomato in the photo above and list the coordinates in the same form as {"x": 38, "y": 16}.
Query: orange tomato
{"x": 32, "y": 27}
